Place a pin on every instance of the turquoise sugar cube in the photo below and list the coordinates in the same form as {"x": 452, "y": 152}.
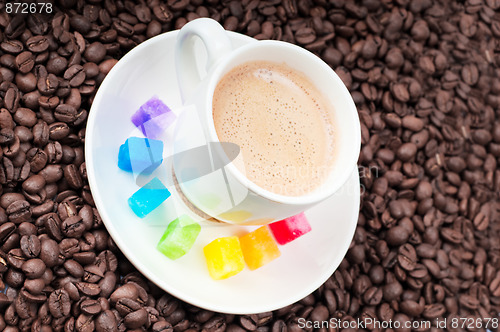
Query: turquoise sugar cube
{"x": 148, "y": 198}
{"x": 179, "y": 237}
{"x": 153, "y": 117}
{"x": 140, "y": 155}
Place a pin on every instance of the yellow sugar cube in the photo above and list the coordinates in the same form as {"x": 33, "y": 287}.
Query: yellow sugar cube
{"x": 224, "y": 257}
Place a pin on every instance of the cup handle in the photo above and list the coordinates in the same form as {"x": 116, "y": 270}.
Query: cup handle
{"x": 217, "y": 44}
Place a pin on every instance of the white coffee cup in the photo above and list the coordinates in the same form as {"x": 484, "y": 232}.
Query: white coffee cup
{"x": 225, "y": 193}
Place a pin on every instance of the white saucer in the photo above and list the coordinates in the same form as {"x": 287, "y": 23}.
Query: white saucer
{"x": 304, "y": 264}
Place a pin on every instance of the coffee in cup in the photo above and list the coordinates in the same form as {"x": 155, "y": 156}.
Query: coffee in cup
{"x": 282, "y": 123}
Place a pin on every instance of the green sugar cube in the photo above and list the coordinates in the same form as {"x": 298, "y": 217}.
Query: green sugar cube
{"x": 179, "y": 237}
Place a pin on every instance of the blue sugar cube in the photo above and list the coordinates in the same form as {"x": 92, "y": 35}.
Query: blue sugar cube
{"x": 153, "y": 117}
{"x": 140, "y": 155}
{"x": 179, "y": 237}
{"x": 148, "y": 198}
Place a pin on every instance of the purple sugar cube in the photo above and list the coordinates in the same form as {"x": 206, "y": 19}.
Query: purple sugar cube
{"x": 153, "y": 117}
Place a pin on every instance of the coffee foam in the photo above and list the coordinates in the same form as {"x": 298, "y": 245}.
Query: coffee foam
{"x": 282, "y": 124}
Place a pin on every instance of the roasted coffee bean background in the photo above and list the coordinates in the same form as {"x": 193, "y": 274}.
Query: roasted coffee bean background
{"x": 425, "y": 78}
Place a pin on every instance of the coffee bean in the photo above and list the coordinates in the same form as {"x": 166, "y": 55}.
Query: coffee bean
{"x": 90, "y": 307}
{"x": 25, "y": 135}
{"x": 37, "y": 44}
{"x": 73, "y": 227}
{"x": 305, "y": 35}
{"x": 15, "y": 258}
{"x": 33, "y": 298}
{"x": 451, "y": 235}
{"x": 392, "y": 291}
{"x": 47, "y": 84}
{"x": 52, "y": 173}
{"x": 19, "y": 211}
{"x": 125, "y": 306}
{"x": 68, "y": 246}
{"x": 6, "y": 136}
{"x": 25, "y": 61}
{"x": 95, "y": 52}
{"x": 73, "y": 268}
{"x": 107, "y": 283}
{"x": 6, "y": 171}
{"x": 67, "y": 209}
{"x": 106, "y": 321}
{"x": 373, "y": 296}
{"x": 88, "y": 288}
{"x": 249, "y": 322}
{"x": 30, "y": 245}
{"x": 481, "y": 221}
{"x": 433, "y": 310}
{"x": 57, "y": 65}
{"x": 413, "y": 123}
{"x": 106, "y": 260}
{"x": 162, "y": 13}
{"x": 397, "y": 235}
{"x": 73, "y": 292}
{"x": 357, "y": 254}
{"x": 162, "y": 326}
{"x": 54, "y": 152}
{"x": 400, "y": 92}
{"x": 12, "y": 46}
{"x": 215, "y": 324}
{"x": 106, "y": 65}
{"x": 84, "y": 323}
{"x": 23, "y": 308}
{"x": 81, "y": 24}
{"x": 406, "y": 151}
{"x": 34, "y": 184}
{"x": 49, "y": 252}
{"x": 481, "y": 136}
{"x": 34, "y": 286}
{"x": 87, "y": 88}
{"x": 72, "y": 175}
{"x": 279, "y": 326}
{"x": 40, "y": 134}
{"x": 33, "y": 268}
{"x": 407, "y": 257}
{"x": 426, "y": 250}
{"x": 75, "y": 75}
{"x": 52, "y": 225}
{"x": 27, "y": 229}
{"x": 136, "y": 319}
{"x": 14, "y": 278}
{"x": 66, "y": 113}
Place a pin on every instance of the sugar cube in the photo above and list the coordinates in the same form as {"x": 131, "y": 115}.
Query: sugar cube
{"x": 140, "y": 155}
{"x": 259, "y": 248}
{"x": 224, "y": 257}
{"x": 153, "y": 117}
{"x": 179, "y": 237}
{"x": 148, "y": 198}
{"x": 289, "y": 229}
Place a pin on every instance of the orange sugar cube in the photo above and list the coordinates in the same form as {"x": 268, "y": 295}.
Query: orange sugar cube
{"x": 259, "y": 248}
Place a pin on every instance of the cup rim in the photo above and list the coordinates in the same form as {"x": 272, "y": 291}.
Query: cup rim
{"x": 314, "y": 196}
